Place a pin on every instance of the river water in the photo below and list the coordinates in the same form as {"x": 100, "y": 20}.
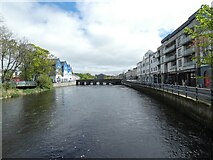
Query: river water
{"x": 99, "y": 121}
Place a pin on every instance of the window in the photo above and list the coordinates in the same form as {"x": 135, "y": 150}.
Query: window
{"x": 178, "y": 41}
{"x": 179, "y": 52}
{"x": 179, "y": 63}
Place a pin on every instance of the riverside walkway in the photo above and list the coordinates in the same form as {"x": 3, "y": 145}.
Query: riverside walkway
{"x": 195, "y": 93}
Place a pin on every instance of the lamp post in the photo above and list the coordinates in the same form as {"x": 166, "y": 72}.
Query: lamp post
{"x": 211, "y": 50}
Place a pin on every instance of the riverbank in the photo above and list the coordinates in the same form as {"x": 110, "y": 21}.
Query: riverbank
{"x": 11, "y": 93}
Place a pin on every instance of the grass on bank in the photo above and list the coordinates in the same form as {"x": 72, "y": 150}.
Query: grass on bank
{"x": 11, "y": 93}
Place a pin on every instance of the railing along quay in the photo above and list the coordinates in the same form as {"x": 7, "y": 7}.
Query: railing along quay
{"x": 196, "y": 93}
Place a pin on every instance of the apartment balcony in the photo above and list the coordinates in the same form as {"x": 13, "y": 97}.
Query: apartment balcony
{"x": 170, "y": 49}
{"x": 185, "y": 40}
{"x": 173, "y": 68}
{"x": 188, "y": 65}
{"x": 171, "y": 58}
{"x": 188, "y": 51}
{"x": 157, "y": 55}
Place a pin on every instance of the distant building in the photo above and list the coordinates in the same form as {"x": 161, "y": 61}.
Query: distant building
{"x": 120, "y": 76}
{"x": 100, "y": 76}
{"x": 65, "y": 71}
{"x": 131, "y": 74}
{"x": 56, "y": 74}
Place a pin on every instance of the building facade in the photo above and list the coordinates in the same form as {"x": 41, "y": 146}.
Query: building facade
{"x": 131, "y": 74}
{"x": 62, "y": 72}
{"x": 173, "y": 62}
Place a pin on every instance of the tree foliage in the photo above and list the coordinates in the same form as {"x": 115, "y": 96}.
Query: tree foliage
{"x": 35, "y": 63}
{"x": 85, "y": 76}
{"x": 12, "y": 52}
{"x": 44, "y": 82}
{"x": 202, "y": 33}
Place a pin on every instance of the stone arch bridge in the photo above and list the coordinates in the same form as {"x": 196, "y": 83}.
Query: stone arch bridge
{"x": 99, "y": 81}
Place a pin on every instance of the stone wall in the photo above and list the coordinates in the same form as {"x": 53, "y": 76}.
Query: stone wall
{"x": 55, "y": 85}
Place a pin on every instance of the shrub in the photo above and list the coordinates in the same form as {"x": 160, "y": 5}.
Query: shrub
{"x": 44, "y": 82}
{"x": 15, "y": 94}
{"x": 9, "y": 85}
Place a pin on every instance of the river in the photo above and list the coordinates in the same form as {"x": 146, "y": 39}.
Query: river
{"x": 99, "y": 122}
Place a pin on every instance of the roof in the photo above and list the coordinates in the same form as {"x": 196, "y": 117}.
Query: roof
{"x": 63, "y": 62}
{"x": 55, "y": 60}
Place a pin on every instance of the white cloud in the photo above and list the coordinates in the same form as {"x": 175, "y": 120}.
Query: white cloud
{"x": 112, "y": 35}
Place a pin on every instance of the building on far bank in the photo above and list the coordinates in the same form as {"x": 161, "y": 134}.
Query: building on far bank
{"x": 173, "y": 61}
{"x": 62, "y": 72}
{"x": 100, "y": 76}
{"x": 56, "y": 74}
{"x": 65, "y": 69}
{"x": 131, "y": 74}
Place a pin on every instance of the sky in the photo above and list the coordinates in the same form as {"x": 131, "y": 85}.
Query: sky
{"x": 97, "y": 36}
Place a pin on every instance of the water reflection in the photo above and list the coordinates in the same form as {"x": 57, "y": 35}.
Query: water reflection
{"x": 99, "y": 121}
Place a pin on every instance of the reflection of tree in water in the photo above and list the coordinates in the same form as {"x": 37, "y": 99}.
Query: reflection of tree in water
{"x": 29, "y": 124}
{"x": 37, "y": 110}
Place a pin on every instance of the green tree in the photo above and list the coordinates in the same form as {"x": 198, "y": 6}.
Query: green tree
{"x": 202, "y": 33}
{"x": 85, "y": 76}
{"x": 44, "y": 82}
{"x": 35, "y": 63}
{"x": 12, "y": 52}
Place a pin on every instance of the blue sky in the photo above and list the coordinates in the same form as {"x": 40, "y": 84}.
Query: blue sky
{"x": 67, "y": 6}
{"x": 163, "y": 32}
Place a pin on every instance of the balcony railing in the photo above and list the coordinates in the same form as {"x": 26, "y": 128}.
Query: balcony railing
{"x": 157, "y": 55}
{"x": 173, "y": 68}
{"x": 171, "y": 58}
{"x": 185, "y": 40}
{"x": 188, "y": 51}
{"x": 188, "y": 64}
{"x": 170, "y": 49}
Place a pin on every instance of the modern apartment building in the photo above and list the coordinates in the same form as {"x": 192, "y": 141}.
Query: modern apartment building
{"x": 173, "y": 62}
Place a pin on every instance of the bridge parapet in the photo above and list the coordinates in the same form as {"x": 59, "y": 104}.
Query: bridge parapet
{"x": 99, "y": 81}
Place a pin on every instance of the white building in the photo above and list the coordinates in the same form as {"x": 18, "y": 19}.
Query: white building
{"x": 131, "y": 74}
